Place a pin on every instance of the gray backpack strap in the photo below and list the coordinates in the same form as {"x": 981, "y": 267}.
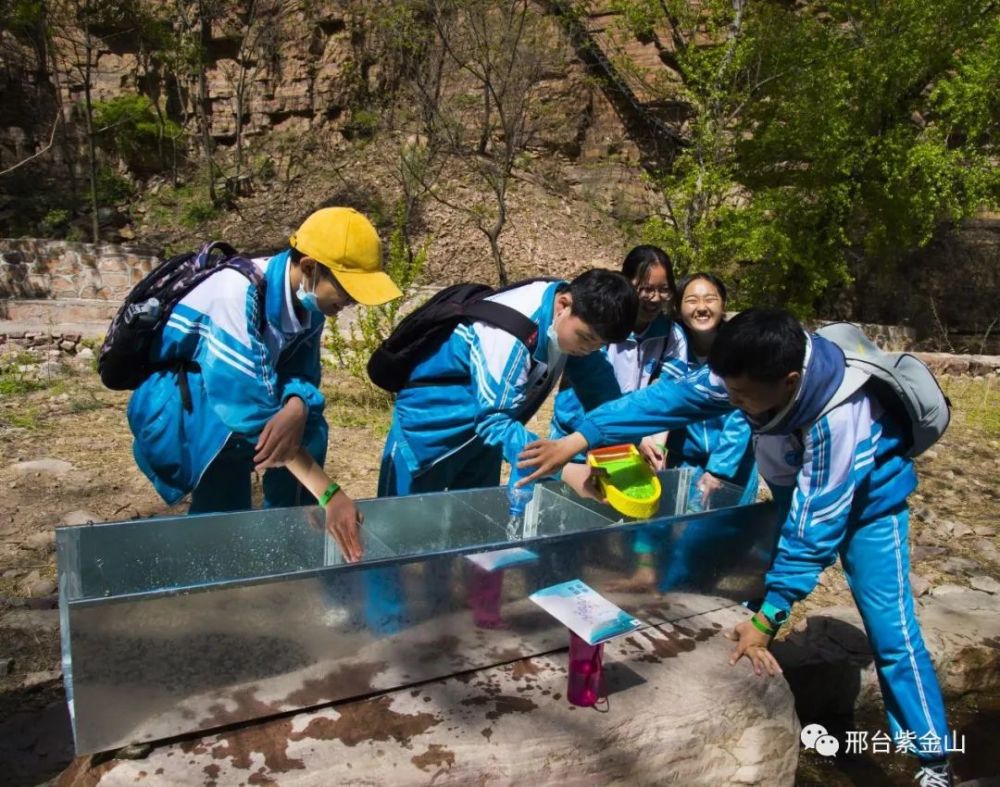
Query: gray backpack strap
{"x": 902, "y": 382}
{"x": 854, "y": 380}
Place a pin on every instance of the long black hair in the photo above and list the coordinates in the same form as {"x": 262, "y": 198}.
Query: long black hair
{"x": 642, "y": 258}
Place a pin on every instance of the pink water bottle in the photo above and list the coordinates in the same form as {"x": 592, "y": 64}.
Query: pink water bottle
{"x": 485, "y": 595}
{"x": 586, "y": 675}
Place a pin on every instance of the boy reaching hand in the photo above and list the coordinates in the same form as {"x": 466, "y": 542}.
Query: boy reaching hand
{"x": 840, "y": 477}
{"x": 237, "y": 385}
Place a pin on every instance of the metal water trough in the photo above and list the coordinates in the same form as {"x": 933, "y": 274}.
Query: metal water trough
{"x": 181, "y": 624}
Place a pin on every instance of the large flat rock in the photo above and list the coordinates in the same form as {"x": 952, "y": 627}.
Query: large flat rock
{"x": 676, "y": 712}
{"x": 830, "y": 665}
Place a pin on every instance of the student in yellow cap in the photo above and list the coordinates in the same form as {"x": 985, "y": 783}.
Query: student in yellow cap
{"x": 246, "y": 354}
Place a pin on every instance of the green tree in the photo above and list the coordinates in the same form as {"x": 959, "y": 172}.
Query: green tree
{"x": 821, "y": 133}
{"x": 129, "y": 127}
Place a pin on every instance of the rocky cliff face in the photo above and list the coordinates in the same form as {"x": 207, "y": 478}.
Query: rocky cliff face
{"x": 576, "y": 205}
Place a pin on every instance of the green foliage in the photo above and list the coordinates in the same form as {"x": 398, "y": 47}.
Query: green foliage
{"x": 112, "y": 188}
{"x": 14, "y": 380}
{"x": 976, "y": 401}
{"x": 374, "y": 323}
{"x": 197, "y": 212}
{"x": 362, "y": 125}
{"x": 22, "y": 17}
{"x": 54, "y": 222}
{"x": 822, "y": 133}
{"x": 130, "y": 127}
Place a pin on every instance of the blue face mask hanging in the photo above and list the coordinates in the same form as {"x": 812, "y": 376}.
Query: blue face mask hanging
{"x": 308, "y": 300}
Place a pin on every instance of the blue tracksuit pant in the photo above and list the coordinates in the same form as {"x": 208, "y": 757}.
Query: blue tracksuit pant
{"x": 876, "y": 560}
{"x": 226, "y": 483}
{"x": 473, "y": 467}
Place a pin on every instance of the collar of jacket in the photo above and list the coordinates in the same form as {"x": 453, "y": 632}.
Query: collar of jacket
{"x": 660, "y": 326}
{"x": 544, "y": 317}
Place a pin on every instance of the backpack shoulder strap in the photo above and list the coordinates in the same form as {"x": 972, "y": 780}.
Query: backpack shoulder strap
{"x": 902, "y": 383}
{"x": 505, "y": 318}
{"x": 854, "y": 380}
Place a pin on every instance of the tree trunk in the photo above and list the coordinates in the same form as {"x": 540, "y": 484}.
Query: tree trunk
{"x": 202, "y": 105}
{"x": 493, "y": 235}
{"x": 88, "y": 110}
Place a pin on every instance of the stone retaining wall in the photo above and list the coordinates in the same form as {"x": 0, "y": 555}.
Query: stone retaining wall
{"x": 37, "y": 268}
{"x": 39, "y": 342}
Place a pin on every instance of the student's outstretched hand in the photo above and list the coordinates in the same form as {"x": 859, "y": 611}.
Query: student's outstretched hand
{"x": 549, "y": 456}
{"x": 753, "y": 644}
{"x": 707, "y": 485}
{"x": 651, "y": 449}
{"x": 282, "y": 435}
{"x": 343, "y": 522}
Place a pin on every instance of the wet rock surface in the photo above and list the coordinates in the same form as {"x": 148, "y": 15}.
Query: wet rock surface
{"x": 675, "y": 710}
{"x": 829, "y": 666}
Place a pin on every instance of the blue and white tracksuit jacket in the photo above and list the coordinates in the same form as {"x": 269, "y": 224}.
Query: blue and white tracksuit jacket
{"x": 841, "y": 482}
{"x": 453, "y": 436}
{"x": 722, "y": 446}
{"x": 660, "y": 349}
{"x": 248, "y": 369}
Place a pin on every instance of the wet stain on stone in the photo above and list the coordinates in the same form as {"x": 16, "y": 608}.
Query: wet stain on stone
{"x": 505, "y": 705}
{"x": 524, "y": 669}
{"x": 700, "y": 635}
{"x": 260, "y": 777}
{"x": 674, "y": 645}
{"x": 368, "y": 720}
{"x": 195, "y": 746}
{"x": 83, "y": 772}
{"x": 356, "y": 678}
{"x": 487, "y": 732}
{"x": 441, "y": 647}
{"x": 247, "y": 707}
{"x": 158, "y": 772}
{"x": 269, "y": 740}
{"x": 436, "y": 756}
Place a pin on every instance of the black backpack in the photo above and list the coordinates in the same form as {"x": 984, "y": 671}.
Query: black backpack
{"x": 125, "y": 358}
{"x": 428, "y": 326}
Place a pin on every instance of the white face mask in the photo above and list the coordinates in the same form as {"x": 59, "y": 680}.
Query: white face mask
{"x": 554, "y": 349}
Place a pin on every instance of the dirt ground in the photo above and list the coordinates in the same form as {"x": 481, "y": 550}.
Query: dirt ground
{"x": 69, "y": 417}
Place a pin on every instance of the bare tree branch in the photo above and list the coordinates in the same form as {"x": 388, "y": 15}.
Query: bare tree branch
{"x": 52, "y": 139}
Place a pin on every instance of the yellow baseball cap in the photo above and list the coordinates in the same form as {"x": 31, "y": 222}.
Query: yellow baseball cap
{"x": 346, "y": 242}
